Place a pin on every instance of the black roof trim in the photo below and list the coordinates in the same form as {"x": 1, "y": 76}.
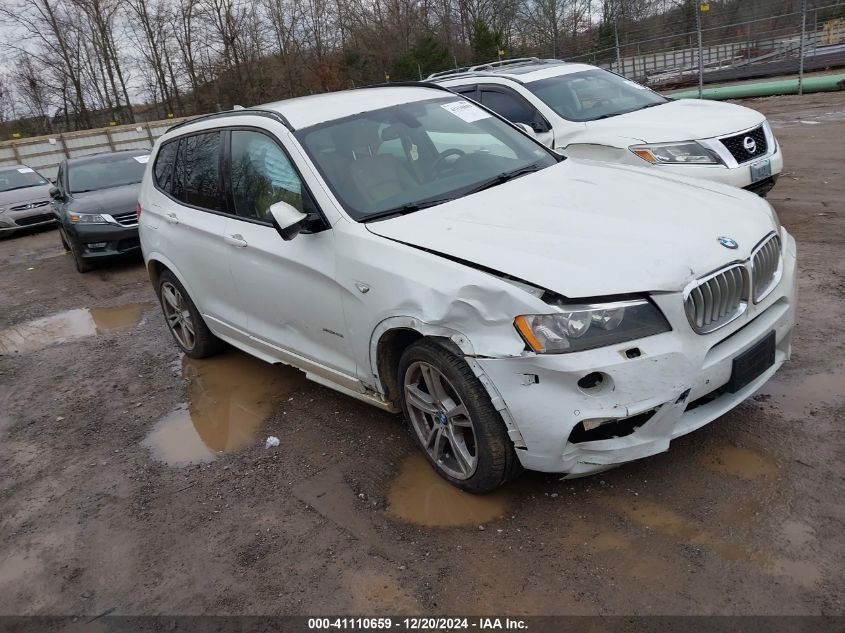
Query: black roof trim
{"x": 409, "y": 84}
{"x": 271, "y": 114}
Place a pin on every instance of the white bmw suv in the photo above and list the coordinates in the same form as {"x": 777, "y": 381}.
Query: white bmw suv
{"x": 587, "y": 112}
{"x": 411, "y": 249}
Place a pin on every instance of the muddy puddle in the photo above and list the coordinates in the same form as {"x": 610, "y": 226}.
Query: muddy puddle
{"x": 797, "y": 398}
{"x": 741, "y": 462}
{"x": 68, "y": 326}
{"x": 418, "y": 495}
{"x": 229, "y": 396}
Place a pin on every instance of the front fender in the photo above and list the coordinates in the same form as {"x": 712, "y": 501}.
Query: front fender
{"x": 417, "y": 325}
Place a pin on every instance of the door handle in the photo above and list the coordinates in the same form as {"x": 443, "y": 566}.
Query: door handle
{"x": 235, "y": 240}
{"x": 171, "y": 218}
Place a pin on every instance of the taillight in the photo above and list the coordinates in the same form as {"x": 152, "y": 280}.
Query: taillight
{"x": 138, "y": 209}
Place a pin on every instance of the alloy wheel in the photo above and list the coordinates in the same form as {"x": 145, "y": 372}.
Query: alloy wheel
{"x": 441, "y": 420}
{"x": 178, "y": 315}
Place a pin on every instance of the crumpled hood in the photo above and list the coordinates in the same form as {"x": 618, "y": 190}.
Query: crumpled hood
{"x": 15, "y": 197}
{"x": 681, "y": 120}
{"x": 586, "y": 229}
{"x": 113, "y": 201}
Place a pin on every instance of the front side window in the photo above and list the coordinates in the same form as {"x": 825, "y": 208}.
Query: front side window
{"x": 163, "y": 168}
{"x": 508, "y": 106}
{"x": 197, "y": 178}
{"x": 20, "y": 178}
{"x": 405, "y": 157}
{"x": 593, "y": 94}
{"x": 261, "y": 175}
{"x": 107, "y": 172}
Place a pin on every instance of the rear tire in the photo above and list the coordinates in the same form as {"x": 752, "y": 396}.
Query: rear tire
{"x": 453, "y": 421}
{"x": 184, "y": 320}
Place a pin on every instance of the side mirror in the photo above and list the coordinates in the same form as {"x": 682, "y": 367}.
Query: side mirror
{"x": 527, "y": 129}
{"x": 539, "y": 124}
{"x": 55, "y": 194}
{"x": 288, "y": 220}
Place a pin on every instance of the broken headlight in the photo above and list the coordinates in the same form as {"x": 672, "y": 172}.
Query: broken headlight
{"x": 587, "y": 326}
{"x": 687, "y": 153}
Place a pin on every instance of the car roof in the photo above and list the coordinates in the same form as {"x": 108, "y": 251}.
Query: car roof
{"x": 302, "y": 112}
{"x": 16, "y": 166}
{"x": 520, "y": 70}
{"x": 105, "y": 157}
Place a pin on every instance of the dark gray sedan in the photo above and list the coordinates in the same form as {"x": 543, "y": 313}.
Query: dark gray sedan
{"x": 24, "y": 199}
{"x": 95, "y": 200}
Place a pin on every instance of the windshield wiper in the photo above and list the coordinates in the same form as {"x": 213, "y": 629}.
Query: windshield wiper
{"x": 405, "y": 209}
{"x": 503, "y": 177}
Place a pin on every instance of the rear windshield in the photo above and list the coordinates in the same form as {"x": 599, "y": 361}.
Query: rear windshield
{"x": 108, "y": 173}
{"x": 20, "y": 178}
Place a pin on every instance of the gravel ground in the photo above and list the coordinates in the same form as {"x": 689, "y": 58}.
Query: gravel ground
{"x": 133, "y": 480}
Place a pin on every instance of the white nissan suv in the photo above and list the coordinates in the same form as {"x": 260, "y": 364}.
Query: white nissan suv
{"x": 412, "y": 249}
{"x": 587, "y": 112}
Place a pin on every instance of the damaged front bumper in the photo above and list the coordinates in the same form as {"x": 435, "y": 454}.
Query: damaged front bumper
{"x": 649, "y": 392}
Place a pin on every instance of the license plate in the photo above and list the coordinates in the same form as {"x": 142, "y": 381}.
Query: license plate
{"x": 761, "y": 170}
{"x": 751, "y": 363}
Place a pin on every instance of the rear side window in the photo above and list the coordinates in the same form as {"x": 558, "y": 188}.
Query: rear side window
{"x": 163, "y": 168}
{"x": 197, "y": 174}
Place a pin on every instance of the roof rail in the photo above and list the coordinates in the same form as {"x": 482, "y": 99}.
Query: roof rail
{"x": 272, "y": 114}
{"x": 505, "y": 62}
{"x": 470, "y": 71}
{"x": 451, "y": 71}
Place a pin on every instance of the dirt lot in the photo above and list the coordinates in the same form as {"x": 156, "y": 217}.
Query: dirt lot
{"x": 133, "y": 480}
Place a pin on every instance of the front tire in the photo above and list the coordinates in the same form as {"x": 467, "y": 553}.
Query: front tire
{"x": 453, "y": 421}
{"x": 82, "y": 266}
{"x": 62, "y": 237}
{"x": 184, "y": 320}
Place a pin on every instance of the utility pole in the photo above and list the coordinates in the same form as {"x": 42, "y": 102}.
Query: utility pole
{"x": 619, "y": 68}
{"x": 699, "y": 9}
{"x": 801, "y": 47}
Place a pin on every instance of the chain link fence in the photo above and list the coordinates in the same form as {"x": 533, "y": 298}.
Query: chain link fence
{"x": 783, "y": 45}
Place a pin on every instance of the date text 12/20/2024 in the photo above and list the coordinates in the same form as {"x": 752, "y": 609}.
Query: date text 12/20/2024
{"x": 416, "y": 624}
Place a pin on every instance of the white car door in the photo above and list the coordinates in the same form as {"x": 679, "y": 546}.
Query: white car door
{"x": 289, "y": 292}
{"x": 188, "y": 204}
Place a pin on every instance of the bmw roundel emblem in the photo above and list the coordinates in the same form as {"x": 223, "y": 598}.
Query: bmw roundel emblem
{"x": 727, "y": 242}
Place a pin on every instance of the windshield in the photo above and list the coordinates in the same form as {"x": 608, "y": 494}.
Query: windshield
{"x": 107, "y": 173}
{"x": 408, "y": 156}
{"x": 593, "y": 94}
{"x": 20, "y": 178}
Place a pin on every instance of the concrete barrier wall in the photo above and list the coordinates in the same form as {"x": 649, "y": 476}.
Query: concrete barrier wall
{"x": 44, "y": 153}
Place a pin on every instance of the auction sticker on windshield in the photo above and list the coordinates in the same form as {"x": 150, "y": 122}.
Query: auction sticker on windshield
{"x": 465, "y": 110}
